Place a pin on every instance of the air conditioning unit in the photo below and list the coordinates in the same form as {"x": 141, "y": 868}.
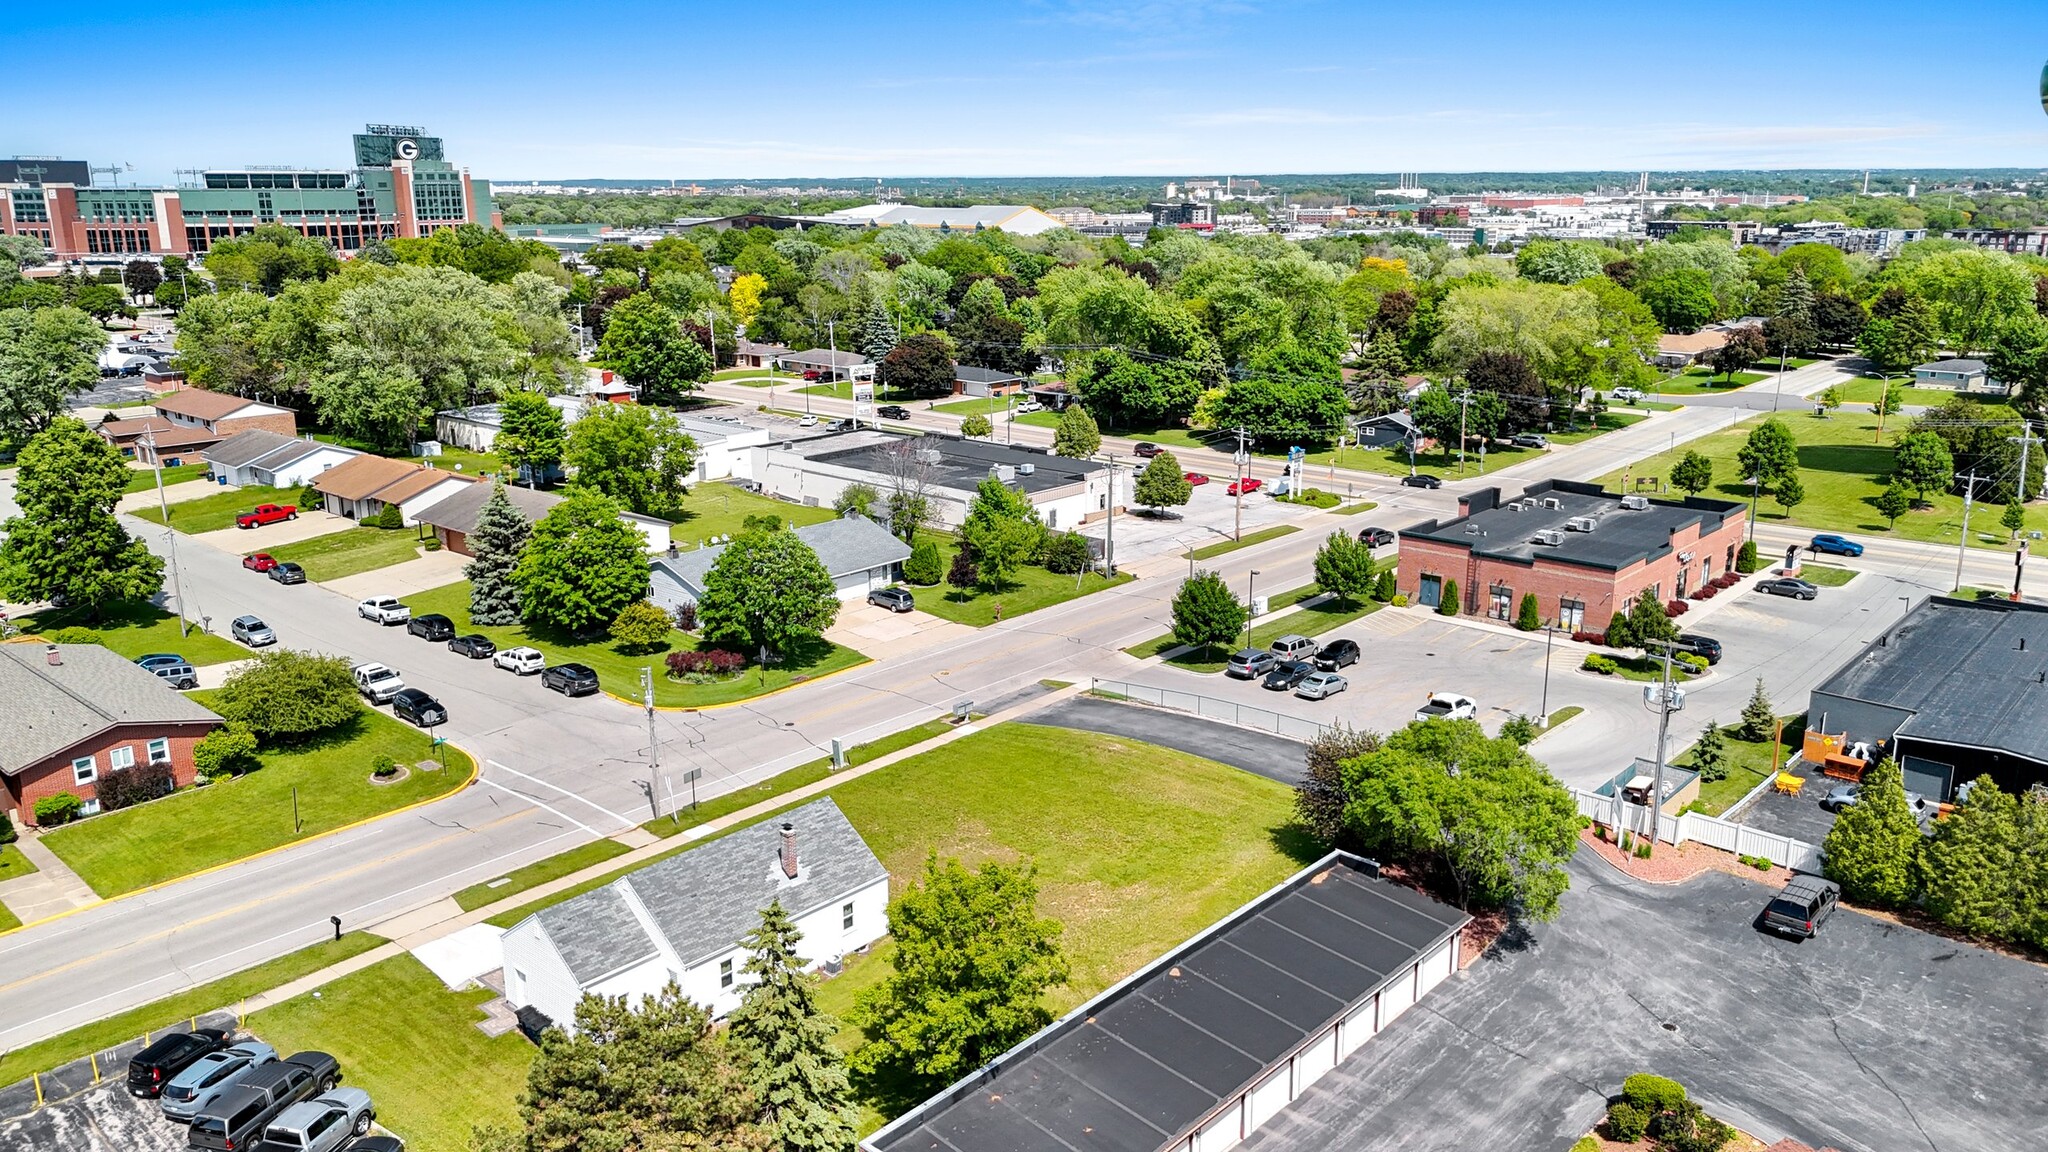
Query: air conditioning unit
{"x": 1550, "y": 536}
{"x": 1582, "y": 524}
{"x": 1027, "y": 469}
{"x": 929, "y": 455}
{"x": 1635, "y": 503}
{"x": 1005, "y": 473}
{"x": 1552, "y": 502}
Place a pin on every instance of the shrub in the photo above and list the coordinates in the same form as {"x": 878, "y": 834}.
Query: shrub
{"x": 286, "y": 695}
{"x": 7, "y": 833}
{"x": 311, "y": 497}
{"x": 641, "y": 626}
{"x": 1746, "y": 560}
{"x": 1760, "y": 863}
{"x": 1590, "y": 637}
{"x": 390, "y": 517}
{"x": 433, "y": 544}
{"x": 1686, "y": 1127}
{"x": 1676, "y": 608}
{"x": 1585, "y": 1144}
{"x": 686, "y": 616}
{"x": 121, "y": 787}
{"x": 1643, "y": 849}
{"x": 1653, "y": 1094}
{"x": 1399, "y": 600}
{"x": 1519, "y": 728}
{"x": 1383, "y": 587}
{"x": 926, "y": 565}
{"x": 73, "y": 636}
{"x": 1066, "y": 553}
{"x": 1530, "y": 617}
{"x": 1626, "y": 1122}
{"x": 707, "y": 662}
{"x": 1448, "y": 605}
{"x": 62, "y": 808}
{"x": 1604, "y": 665}
{"x": 1693, "y": 663}
{"x": 384, "y": 768}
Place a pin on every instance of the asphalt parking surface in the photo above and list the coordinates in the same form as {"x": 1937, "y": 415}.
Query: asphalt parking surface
{"x": 1801, "y": 816}
{"x": 1868, "y": 1038}
{"x": 1274, "y": 757}
{"x": 103, "y": 1119}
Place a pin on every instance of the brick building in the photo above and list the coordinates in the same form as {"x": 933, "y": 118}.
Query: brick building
{"x": 76, "y": 711}
{"x": 1583, "y": 551}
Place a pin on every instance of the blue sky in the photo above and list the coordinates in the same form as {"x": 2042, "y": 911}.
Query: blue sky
{"x": 1031, "y": 87}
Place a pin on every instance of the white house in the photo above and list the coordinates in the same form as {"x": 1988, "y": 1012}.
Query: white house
{"x": 271, "y": 459}
{"x": 477, "y": 426}
{"x": 1066, "y": 493}
{"x": 454, "y": 517}
{"x": 860, "y": 554}
{"x": 682, "y": 919}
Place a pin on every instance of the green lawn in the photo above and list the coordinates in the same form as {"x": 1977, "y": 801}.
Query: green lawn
{"x": 211, "y": 513}
{"x": 619, "y": 672}
{"x": 1562, "y": 715}
{"x": 134, "y": 630}
{"x": 539, "y": 872}
{"x": 8, "y": 920}
{"x": 1030, "y": 589}
{"x": 1168, "y": 642}
{"x": 1602, "y": 424}
{"x": 721, "y": 509}
{"x": 1703, "y": 379}
{"x": 1211, "y": 551}
{"x": 1826, "y": 575}
{"x": 177, "y": 1010}
{"x": 1749, "y": 763}
{"x": 451, "y": 458}
{"x": 1843, "y": 468}
{"x": 843, "y": 390}
{"x": 351, "y": 551}
{"x": 144, "y": 479}
{"x": 1355, "y": 509}
{"x": 1866, "y": 390}
{"x": 1312, "y": 620}
{"x": 202, "y": 826}
{"x": 752, "y": 377}
{"x": 13, "y": 865}
{"x": 413, "y": 1045}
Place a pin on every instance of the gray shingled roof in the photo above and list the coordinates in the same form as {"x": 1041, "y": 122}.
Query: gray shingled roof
{"x": 457, "y": 513}
{"x": 703, "y": 900}
{"x": 845, "y": 546}
{"x": 52, "y": 707}
{"x": 274, "y": 449}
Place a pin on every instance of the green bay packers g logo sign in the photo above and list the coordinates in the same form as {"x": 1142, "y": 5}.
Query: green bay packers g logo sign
{"x": 408, "y": 150}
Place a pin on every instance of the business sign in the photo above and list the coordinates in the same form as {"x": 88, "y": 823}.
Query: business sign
{"x": 863, "y": 399}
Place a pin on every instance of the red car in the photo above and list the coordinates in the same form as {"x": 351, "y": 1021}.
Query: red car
{"x": 813, "y": 374}
{"x": 1248, "y": 484}
{"x": 267, "y": 514}
{"x": 1197, "y": 479}
{"x": 259, "y": 562}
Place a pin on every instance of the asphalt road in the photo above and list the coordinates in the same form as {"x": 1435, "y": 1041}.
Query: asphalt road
{"x": 1868, "y": 1038}
{"x": 1274, "y": 757}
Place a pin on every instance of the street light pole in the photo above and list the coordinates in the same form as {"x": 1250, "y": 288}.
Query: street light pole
{"x": 1250, "y": 582}
{"x": 156, "y": 464}
{"x": 1754, "y": 482}
{"x": 1549, "y": 631}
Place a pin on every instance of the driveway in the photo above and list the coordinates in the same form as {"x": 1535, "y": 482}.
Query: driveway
{"x": 429, "y": 570}
{"x": 1209, "y": 517}
{"x": 246, "y": 540}
{"x": 882, "y": 633}
{"x": 1869, "y": 1038}
{"x": 1274, "y": 757}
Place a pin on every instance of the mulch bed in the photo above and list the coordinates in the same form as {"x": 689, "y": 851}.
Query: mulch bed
{"x": 1670, "y": 865}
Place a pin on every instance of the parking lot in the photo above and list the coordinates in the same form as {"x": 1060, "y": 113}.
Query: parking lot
{"x": 88, "y": 1117}
{"x": 1868, "y": 1038}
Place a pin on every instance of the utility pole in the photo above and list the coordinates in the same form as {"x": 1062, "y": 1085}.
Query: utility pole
{"x": 1963, "y": 545}
{"x": 1242, "y": 457}
{"x": 1464, "y": 410}
{"x": 1666, "y": 705}
{"x": 156, "y": 465}
{"x": 2025, "y": 439}
{"x": 832, "y": 338}
{"x": 1109, "y": 532}
{"x": 653, "y": 742}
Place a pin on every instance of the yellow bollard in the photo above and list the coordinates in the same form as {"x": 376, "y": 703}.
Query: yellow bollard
{"x": 38, "y": 1078}
{"x": 95, "y": 1067}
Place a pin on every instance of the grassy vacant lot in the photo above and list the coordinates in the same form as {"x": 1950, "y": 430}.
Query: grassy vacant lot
{"x": 211, "y": 513}
{"x": 1843, "y": 468}
{"x": 144, "y": 479}
{"x": 351, "y": 551}
{"x": 1749, "y": 763}
{"x": 1704, "y": 379}
{"x": 199, "y": 827}
{"x": 1866, "y": 390}
{"x": 413, "y": 1045}
{"x": 722, "y": 509}
{"x": 176, "y": 1010}
{"x": 619, "y": 672}
{"x": 1825, "y": 575}
{"x": 1211, "y": 551}
{"x": 1313, "y": 620}
{"x": 1029, "y": 590}
{"x": 135, "y": 630}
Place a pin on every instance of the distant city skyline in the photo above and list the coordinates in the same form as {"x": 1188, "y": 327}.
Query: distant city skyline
{"x": 634, "y": 90}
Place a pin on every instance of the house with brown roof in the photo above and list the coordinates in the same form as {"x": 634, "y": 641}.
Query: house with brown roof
{"x": 367, "y": 484}
{"x": 188, "y": 421}
{"x": 152, "y": 438}
{"x": 454, "y": 518}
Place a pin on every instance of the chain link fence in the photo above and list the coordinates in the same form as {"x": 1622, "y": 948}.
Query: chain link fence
{"x": 1210, "y": 708}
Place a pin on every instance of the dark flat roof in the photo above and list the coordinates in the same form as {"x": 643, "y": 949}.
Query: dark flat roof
{"x": 963, "y": 464}
{"x": 1970, "y": 672}
{"x": 1505, "y": 528}
{"x": 1140, "y": 1066}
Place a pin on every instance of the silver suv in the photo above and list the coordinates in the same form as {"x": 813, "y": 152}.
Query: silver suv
{"x": 1292, "y": 647}
{"x": 206, "y": 1078}
{"x": 322, "y": 1124}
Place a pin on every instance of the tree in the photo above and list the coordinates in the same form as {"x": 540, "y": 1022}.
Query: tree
{"x": 639, "y": 1074}
{"x": 2014, "y": 518}
{"x": 1831, "y": 398}
{"x": 796, "y": 1072}
{"x": 1710, "y": 754}
{"x": 1162, "y": 484}
{"x": 636, "y": 454}
{"x": 1076, "y": 437}
{"x": 1480, "y": 817}
{"x": 1003, "y": 529}
{"x": 1771, "y": 452}
{"x": 408, "y": 343}
{"x": 642, "y": 626}
{"x": 67, "y": 541}
{"x": 645, "y": 343}
{"x": 976, "y": 424}
{"x": 100, "y": 301}
{"x": 46, "y": 354}
{"x": 973, "y": 962}
{"x": 1759, "y": 723}
{"x": 1644, "y": 623}
{"x": 745, "y": 297}
{"x": 2018, "y": 357}
{"x": 286, "y": 696}
{"x": 1898, "y": 341}
{"x": 581, "y": 566}
{"x": 1977, "y": 865}
{"x": 1788, "y": 492}
{"x": 1320, "y": 798}
{"x": 1692, "y": 475}
{"x": 495, "y": 545}
{"x": 963, "y": 574}
{"x": 926, "y": 565}
{"x": 1447, "y": 601}
{"x": 1385, "y": 588}
{"x": 531, "y": 439}
{"x": 1206, "y": 613}
{"x": 268, "y": 258}
{"x": 1382, "y": 359}
{"x": 1682, "y": 300}
{"x": 1344, "y": 567}
{"x": 1279, "y": 410}
{"x": 920, "y": 367}
{"x": 1558, "y": 261}
{"x": 229, "y": 748}
{"x": 1923, "y": 461}
{"x": 1127, "y": 392}
{"x": 1893, "y": 502}
{"x": 1744, "y": 347}
{"x": 767, "y": 591}
{"x": 1873, "y": 850}
{"x": 1529, "y": 617}
{"x": 857, "y": 499}
{"x": 876, "y": 337}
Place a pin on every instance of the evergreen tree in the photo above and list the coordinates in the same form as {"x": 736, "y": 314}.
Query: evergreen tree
{"x": 876, "y": 337}
{"x": 1206, "y": 612}
{"x": 1746, "y": 560}
{"x": 1530, "y": 617}
{"x": 494, "y": 547}
{"x": 1975, "y": 872}
{"x": 1873, "y": 850}
{"x": 926, "y": 565}
{"x": 1384, "y": 588}
{"x": 1710, "y": 755}
{"x": 1076, "y": 437}
{"x": 1759, "y": 723}
{"x": 1448, "y": 604}
{"x": 797, "y": 1074}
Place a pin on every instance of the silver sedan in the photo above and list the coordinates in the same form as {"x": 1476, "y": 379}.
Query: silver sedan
{"x": 1321, "y": 686}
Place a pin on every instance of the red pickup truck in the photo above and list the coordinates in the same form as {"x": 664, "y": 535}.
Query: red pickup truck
{"x": 267, "y": 514}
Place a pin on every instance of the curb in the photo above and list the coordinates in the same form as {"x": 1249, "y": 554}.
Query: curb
{"x": 805, "y": 683}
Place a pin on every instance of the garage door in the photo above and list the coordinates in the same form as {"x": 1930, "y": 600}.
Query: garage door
{"x": 1930, "y": 778}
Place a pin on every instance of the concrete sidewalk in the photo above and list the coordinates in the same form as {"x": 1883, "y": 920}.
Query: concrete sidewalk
{"x": 51, "y": 890}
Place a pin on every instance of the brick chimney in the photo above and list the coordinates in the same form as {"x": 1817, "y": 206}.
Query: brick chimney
{"x": 56, "y": 658}
{"x": 789, "y": 850}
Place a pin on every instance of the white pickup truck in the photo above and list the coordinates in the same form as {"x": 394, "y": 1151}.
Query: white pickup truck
{"x": 378, "y": 682}
{"x": 1448, "y": 706}
{"x": 384, "y": 610}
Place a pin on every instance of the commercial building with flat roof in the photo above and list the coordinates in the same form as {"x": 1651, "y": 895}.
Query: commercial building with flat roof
{"x": 1585, "y": 552}
{"x": 1065, "y": 493}
{"x": 1201, "y": 1047}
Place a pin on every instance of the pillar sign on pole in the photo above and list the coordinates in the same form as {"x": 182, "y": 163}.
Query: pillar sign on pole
{"x": 838, "y": 753}
{"x": 690, "y": 778}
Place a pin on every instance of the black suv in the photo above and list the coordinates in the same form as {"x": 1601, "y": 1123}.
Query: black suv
{"x": 1375, "y": 537}
{"x": 1803, "y": 905}
{"x": 414, "y": 705}
{"x": 152, "y": 1068}
{"x": 1338, "y": 654}
{"x": 237, "y": 1119}
{"x": 1705, "y": 647}
{"x": 476, "y": 646}
{"x": 893, "y": 412}
{"x": 432, "y": 626}
{"x": 569, "y": 679}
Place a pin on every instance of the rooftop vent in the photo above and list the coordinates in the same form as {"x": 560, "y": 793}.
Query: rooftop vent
{"x": 1635, "y": 503}
{"x": 1552, "y": 502}
{"x": 1582, "y": 523}
{"x": 929, "y": 455}
{"x": 1550, "y": 536}
{"x": 1005, "y": 473}
{"x": 1027, "y": 469}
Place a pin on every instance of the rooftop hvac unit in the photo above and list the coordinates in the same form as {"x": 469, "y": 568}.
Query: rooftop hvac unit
{"x": 1550, "y": 536}
{"x": 1026, "y": 469}
{"x": 1635, "y": 503}
{"x": 1552, "y": 502}
{"x": 1582, "y": 523}
{"x": 929, "y": 455}
{"x": 1005, "y": 473}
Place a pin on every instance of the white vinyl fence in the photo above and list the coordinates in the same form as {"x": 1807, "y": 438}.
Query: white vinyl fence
{"x": 1713, "y": 831}
{"x": 1208, "y": 707}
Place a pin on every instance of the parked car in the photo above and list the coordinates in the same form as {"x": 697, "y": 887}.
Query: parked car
{"x": 377, "y": 682}
{"x": 1250, "y": 664}
{"x": 1422, "y": 480}
{"x": 1802, "y": 906}
{"x": 237, "y": 1117}
{"x": 476, "y": 646}
{"x": 1448, "y": 706}
{"x": 893, "y": 412}
{"x": 266, "y": 514}
{"x": 808, "y": 422}
{"x": 432, "y": 626}
{"x": 813, "y": 374}
{"x": 1626, "y": 395}
{"x": 1529, "y": 440}
{"x": 843, "y": 424}
{"x": 894, "y": 599}
{"x": 156, "y": 660}
{"x": 1705, "y": 647}
{"x": 1245, "y": 486}
{"x": 1338, "y": 654}
{"x": 259, "y": 562}
{"x": 1320, "y": 686}
{"x": 1028, "y": 406}
{"x": 1843, "y": 795}
{"x": 1146, "y": 449}
{"x": 422, "y": 710}
{"x": 1787, "y": 586}
{"x": 157, "y": 1065}
{"x": 1375, "y": 537}
{"x": 1196, "y": 479}
{"x": 1293, "y": 647}
{"x": 1835, "y": 545}
{"x": 1288, "y": 673}
{"x": 570, "y": 679}
{"x": 384, "y": 610}
{"x": 287, "y": 572}
{"x": 251, "y": 630}
{"x": 322, "y": 1124}
{"x": 376, "y": 1144}
{"x": 210, "y": 1075}
{"x": 522, "y": 661}
{"x": 181, "y": 676}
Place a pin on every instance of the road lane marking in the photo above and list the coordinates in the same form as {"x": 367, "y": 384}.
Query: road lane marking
{"x": 541, "y": 804}
{"x": 565, "y": 792}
